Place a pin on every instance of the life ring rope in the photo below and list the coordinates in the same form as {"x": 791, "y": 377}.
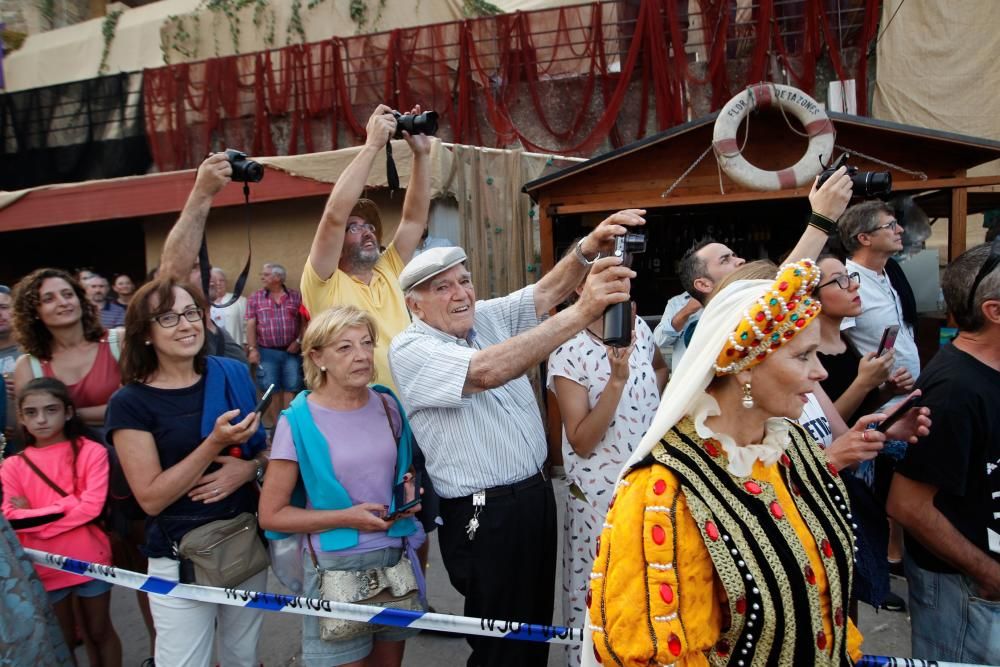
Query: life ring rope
{"x": 815, "y": 122}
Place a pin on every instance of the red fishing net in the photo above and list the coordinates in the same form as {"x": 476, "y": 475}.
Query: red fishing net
{"x": 571, "y": 80}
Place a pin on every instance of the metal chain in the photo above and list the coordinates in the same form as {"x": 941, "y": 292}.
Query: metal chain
{"x": 921, "y": 175}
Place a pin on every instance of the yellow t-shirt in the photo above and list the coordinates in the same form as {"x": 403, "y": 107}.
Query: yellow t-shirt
{"x": 383, "y": 298}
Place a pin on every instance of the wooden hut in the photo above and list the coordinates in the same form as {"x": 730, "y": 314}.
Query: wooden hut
{"x": 704, "y": 201}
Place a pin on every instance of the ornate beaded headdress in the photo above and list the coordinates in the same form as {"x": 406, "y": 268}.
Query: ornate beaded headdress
{"x": 773, "y": 319}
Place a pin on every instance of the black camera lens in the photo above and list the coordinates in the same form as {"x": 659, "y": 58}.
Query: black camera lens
{"x": 423, "y": 123}
{"x": 872, "y": 183}
{"x": 635, "y": 243}
{"x": 244, "y": 169}
{"x": 866, "y": 183}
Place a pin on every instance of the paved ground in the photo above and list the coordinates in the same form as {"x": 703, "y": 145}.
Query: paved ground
{"x": 885, "y": 633}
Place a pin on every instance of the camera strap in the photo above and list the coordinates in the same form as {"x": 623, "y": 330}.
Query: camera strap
{"x": 391, "y": 175}
{"x": 206, "y": 266}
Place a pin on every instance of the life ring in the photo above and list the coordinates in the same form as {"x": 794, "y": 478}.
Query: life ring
{"x": 810, "y": 113}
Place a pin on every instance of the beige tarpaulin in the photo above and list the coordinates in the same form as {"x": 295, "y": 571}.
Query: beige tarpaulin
{"x": 73, "y": 53}
{"x": 937, "y": 66}
{"x": 326, "y": 167}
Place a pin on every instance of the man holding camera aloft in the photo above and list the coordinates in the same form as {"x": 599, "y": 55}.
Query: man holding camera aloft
{"x": 460, "y": 371}
{"x": 346, "y": 264}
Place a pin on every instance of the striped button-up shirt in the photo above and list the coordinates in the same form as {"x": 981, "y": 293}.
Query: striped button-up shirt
{"x": 478, "y": 441}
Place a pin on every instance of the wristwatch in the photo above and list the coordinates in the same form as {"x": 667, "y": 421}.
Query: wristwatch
{"x": 259, "y": 475}
{"x": 580, "y": 257}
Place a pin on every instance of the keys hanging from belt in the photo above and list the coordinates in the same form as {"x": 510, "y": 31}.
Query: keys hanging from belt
{"x": 478, "y": 503}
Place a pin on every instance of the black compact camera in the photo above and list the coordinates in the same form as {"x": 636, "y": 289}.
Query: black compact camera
{"x": 618, "y": 317}
{"x": 244, "y": 169}
{"x": 867, "y": 184}
{"x": 422, "y": 123}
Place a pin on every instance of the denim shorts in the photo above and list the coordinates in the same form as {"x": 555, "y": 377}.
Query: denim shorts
{"x": 947, "y": 621}
{"x": 90, "y": 589}
{"x": 319, "y": 653}
{"x": 280, "y": 368}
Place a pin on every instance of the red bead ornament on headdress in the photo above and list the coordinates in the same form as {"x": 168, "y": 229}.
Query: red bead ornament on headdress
{"x": 773, "y": 319}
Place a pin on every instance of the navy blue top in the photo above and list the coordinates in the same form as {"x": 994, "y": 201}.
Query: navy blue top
{"x": 174, "y": 418}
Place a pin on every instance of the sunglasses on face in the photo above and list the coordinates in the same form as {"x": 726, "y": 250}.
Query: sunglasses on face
{"x": 843, "y": 281}
{"x": 991, "y": 263}
{"x": 172, "y": 319}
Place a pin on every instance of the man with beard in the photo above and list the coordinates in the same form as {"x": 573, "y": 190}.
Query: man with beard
{"x": 345, "y": 264}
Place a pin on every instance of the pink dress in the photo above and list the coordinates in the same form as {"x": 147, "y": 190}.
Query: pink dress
{"x": 74, "y": 534}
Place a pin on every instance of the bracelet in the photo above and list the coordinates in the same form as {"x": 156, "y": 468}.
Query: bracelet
{"x": 822, "y": 223}
{"x": 580, "y": 257}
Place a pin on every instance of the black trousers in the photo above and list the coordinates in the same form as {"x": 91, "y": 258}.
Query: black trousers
{"x": 507, "y": 572}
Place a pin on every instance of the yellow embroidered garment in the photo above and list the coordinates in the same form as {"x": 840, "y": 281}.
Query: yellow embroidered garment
{"x": 656, "y": 595}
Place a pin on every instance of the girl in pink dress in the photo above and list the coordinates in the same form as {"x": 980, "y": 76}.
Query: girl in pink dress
{"x": 54, "y": 492}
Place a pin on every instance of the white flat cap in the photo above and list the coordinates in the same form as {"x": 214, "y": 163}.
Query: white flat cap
{"x": 428, "y": 264}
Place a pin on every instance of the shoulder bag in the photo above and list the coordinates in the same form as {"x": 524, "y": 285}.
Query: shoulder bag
{"x": 220, "y": 553}
{"x": 394, "y": 586}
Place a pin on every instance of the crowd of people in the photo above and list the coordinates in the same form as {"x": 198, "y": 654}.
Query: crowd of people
{"x": 733, "y": 479}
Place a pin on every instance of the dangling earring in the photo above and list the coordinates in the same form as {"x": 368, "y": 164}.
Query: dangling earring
{"x": 747, "y": 397}
{"x": 323, "y": 368}
{"x": 149, "y": 342}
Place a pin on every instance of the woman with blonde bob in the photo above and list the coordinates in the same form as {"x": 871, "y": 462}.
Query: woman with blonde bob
{"x": 730, "y": 539}
{"x": 339, "y": 450}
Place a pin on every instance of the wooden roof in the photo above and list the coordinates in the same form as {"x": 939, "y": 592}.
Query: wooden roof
{"x": 638, "y": 174}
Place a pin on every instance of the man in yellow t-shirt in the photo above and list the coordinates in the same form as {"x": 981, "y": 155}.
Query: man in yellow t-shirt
{"x": 345, "y": 264}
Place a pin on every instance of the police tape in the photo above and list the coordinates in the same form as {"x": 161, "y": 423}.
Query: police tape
{"x": 886, "y": 661}
{"x": 306, "y": 606}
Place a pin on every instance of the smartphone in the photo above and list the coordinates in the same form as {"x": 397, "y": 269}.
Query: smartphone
{"x": 888, "y": 339}
{"x": 402, "y": 508}
{"x": 265, "y": 400}
{"x": 901, "y": 410}
{"x": 399, "y": 496}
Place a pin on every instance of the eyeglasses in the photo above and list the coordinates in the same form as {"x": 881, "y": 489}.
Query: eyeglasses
{"x": 843, "y": 281}
{"x": 988, "y": 266}
{"x": 360, "y": 227}
{"x": 4, "y": 289}
{"x": 892, "y": 224}
{"x": 171, "y": 319}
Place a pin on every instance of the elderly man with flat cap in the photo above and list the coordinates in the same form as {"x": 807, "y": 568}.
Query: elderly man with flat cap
{"x": 460, "y": 369}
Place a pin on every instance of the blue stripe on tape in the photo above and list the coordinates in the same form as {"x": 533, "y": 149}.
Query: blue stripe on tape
{"x": 75, "y": 566}
{"x": 401, "y": 618}
{"x": 530, "y": 632}
{"x": 158, "y": 586}
{"x": 268, "y": 601}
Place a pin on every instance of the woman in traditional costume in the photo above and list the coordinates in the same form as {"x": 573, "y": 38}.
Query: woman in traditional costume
{"x": 729, "y": 539}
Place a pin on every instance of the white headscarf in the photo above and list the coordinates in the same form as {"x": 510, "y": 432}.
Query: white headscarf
{"x": 686, "y": 390}
{"x": 696, "y": 370}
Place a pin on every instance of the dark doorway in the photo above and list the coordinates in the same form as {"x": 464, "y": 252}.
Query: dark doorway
{"x": 752, "y": 230}
{"x": 108, "y": 247}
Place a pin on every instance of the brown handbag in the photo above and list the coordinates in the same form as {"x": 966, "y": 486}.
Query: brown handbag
{"x": 224, "y": 553}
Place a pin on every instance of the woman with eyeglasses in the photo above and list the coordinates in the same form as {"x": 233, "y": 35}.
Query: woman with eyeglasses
{"x": 191, "y": 447}
{"x": 858, "y": 384}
